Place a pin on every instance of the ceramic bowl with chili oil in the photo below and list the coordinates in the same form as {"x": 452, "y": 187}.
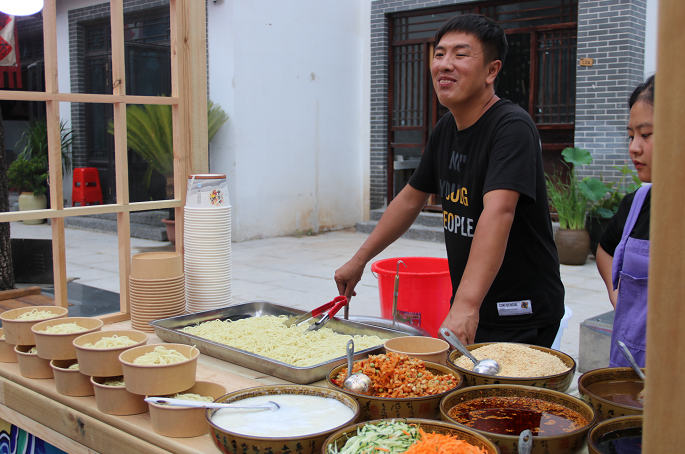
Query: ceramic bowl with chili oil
{"x": 558, "y": 382}
{"x": 559, "y": 422}
{"x": 419, "y": 396}
{"x": 612, "y": 392}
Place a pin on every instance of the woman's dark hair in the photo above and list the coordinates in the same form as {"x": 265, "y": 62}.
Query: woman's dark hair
{"x": 643, "y": 92}
{"x": 489, "y": 33}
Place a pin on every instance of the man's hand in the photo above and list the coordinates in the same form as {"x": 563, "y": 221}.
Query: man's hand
{"x": 463, "y": 324}
{"x": 348, "y": 276}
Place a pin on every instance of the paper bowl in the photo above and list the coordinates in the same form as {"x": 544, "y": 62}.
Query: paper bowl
{"x": 184, "y": 422}
{"x": 156, "y": 265}
{"x": 70, "y": 382}
{"x": 424, "y": 348}
{"x": 60, "y": 346}
{"x": 338, "y": 439}
{"x": 427, "y": 407}
{"x": 569, "y": 443}
{"x": 159, "y": 379}
{"x": 612, "y": 425}
{"x": 115, "y": 400}
{"x": 605, "y": 407}
{"x": 18, "y": 332}
{"x": 558, "y": 382}
{"x": 227, "y": 441}
{"x": 104, "y": 362}
{"x": 7, "y": 353}
{"x": 30, "y": 364}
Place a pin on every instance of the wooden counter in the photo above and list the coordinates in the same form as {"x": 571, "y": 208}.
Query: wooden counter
{"x": 75, "y": 425}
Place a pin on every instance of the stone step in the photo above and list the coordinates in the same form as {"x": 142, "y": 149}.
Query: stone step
{"x": 108, "y": 225}
{"x": 427, "y": 227}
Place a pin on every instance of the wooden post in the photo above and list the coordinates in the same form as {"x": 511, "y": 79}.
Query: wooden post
{"x": 665, "y": 391}
{"x": 121, "y": 151}
{"x": 189, "y": 84}
{"x": 54, "y": 153}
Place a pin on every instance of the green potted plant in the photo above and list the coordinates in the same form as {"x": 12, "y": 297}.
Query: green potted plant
{"x": 149, "y": 133}
{"x": 29, "y": 176}
{"x": 601, "y": 211}
{"x": 572, "y": 202}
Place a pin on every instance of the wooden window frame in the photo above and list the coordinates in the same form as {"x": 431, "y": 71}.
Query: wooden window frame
{"x": 189, "y": 115}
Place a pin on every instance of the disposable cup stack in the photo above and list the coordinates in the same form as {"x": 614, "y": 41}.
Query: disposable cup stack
{"x": 207, "y": 244}
{"x": 156, "y": 288}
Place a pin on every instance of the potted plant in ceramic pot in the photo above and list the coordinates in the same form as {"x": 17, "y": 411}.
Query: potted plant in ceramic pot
{"x": 149, "y": 133}
{"x": 30, "y": 177}
{"x": 572, "y": 202}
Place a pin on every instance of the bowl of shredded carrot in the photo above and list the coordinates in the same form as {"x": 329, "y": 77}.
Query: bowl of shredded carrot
{"x": 403, "y": 387}
{"x": 407, "y": 436}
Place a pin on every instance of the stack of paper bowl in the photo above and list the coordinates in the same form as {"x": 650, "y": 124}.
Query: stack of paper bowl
{"x": 156, "y": 288}
{"x": 207, "y": 244}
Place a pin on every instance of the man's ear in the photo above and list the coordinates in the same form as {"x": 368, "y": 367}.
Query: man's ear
{"x": 494, "y": 68}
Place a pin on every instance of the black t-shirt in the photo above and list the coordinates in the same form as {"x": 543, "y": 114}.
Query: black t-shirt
{"x": 500, "y": 151}
{"x": 614, "y": 231}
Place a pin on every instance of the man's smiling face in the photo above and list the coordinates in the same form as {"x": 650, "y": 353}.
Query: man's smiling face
{"x": 459, "y": 70}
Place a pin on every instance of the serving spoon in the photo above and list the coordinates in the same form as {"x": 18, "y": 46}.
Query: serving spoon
{"x": 357, "y": 383}
{"x": 629, "y": 357}
{"x": 484, "y": 366}
{"x": 525, "y": 442}
{"x": 270, "y": 405}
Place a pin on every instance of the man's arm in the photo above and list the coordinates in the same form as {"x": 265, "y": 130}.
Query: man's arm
{"x": 398, "y": 217}
{"x": 485, "y": 259}
{"x": 604, "y": 265}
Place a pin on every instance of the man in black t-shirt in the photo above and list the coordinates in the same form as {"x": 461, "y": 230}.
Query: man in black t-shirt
{"x": 485, "y": 162}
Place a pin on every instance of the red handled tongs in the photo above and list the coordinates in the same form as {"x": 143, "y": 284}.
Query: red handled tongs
{"x": 328, "y": 310}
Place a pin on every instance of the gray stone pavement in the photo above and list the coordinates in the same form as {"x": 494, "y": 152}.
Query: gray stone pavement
{"x": 298, "y": 272}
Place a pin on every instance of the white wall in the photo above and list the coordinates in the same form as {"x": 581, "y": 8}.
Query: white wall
{"x": 294, "y": 79}
{"x": 650, "y": 37}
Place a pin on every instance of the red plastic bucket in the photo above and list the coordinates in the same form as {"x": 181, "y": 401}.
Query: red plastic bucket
{"x": 424, "y": 291}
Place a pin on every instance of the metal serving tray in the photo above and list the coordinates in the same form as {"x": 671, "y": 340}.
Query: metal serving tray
{"x": 168, "y": 329}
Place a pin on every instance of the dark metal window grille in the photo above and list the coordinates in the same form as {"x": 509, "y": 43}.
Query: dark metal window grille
{"x": 556, "y": 85}
{"x": 408, "y": 87}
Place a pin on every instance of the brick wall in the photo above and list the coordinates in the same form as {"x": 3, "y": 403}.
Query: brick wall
{"x": 612, "y": 32}
{"x": 78, "y": 18}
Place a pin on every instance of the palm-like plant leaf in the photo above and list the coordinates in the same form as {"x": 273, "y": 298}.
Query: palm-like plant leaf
{"x": 149, "y": 133}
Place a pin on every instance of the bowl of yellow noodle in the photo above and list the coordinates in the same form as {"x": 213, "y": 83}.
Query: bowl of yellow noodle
{"x": 159, "y": 369}
{"x": 54, "y": 338}
{"x": 98, "y": 353}
{"x": 17, "y": 323}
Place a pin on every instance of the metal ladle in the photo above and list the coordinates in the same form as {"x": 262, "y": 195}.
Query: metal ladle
{"x": 484, "y": 366}
{"x": 270, "y": 405}
{"x": 356, "y": 383}
{"x": 525, "y": 442}
{"x": 629, "y": 357}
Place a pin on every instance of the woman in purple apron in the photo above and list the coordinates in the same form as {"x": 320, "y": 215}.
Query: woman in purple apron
{"x": 623, "y": 252}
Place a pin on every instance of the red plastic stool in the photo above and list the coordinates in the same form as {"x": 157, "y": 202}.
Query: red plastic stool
{"x": 86, "y": 187}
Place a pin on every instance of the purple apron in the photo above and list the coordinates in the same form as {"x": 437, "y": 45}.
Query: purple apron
{"x": 631, "y": 266}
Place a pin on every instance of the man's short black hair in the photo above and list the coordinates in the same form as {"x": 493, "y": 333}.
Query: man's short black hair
{"x": 489, "y": 33}
{"x": 643, "y": 92}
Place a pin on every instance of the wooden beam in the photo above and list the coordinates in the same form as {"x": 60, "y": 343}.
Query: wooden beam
{"x": 114, "y": 317}
{"x": 665, "y": 388}
{"x": 54, "y": 153}
{"x": 89, "y": 210}
{"x": 121, "y": 151}
{"x": 19, "y": 292}
{"x": 85, "y": 98}
{"x": 193, "y": 92}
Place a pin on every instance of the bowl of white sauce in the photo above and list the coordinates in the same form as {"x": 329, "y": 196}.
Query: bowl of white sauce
{"x": 307, "y": 416}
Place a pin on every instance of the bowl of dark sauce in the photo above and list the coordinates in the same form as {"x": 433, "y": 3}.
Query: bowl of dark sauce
{"x": 622, "y": 435}
{"x": 612, "y": 391}
{"x": 559, "y": 422}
